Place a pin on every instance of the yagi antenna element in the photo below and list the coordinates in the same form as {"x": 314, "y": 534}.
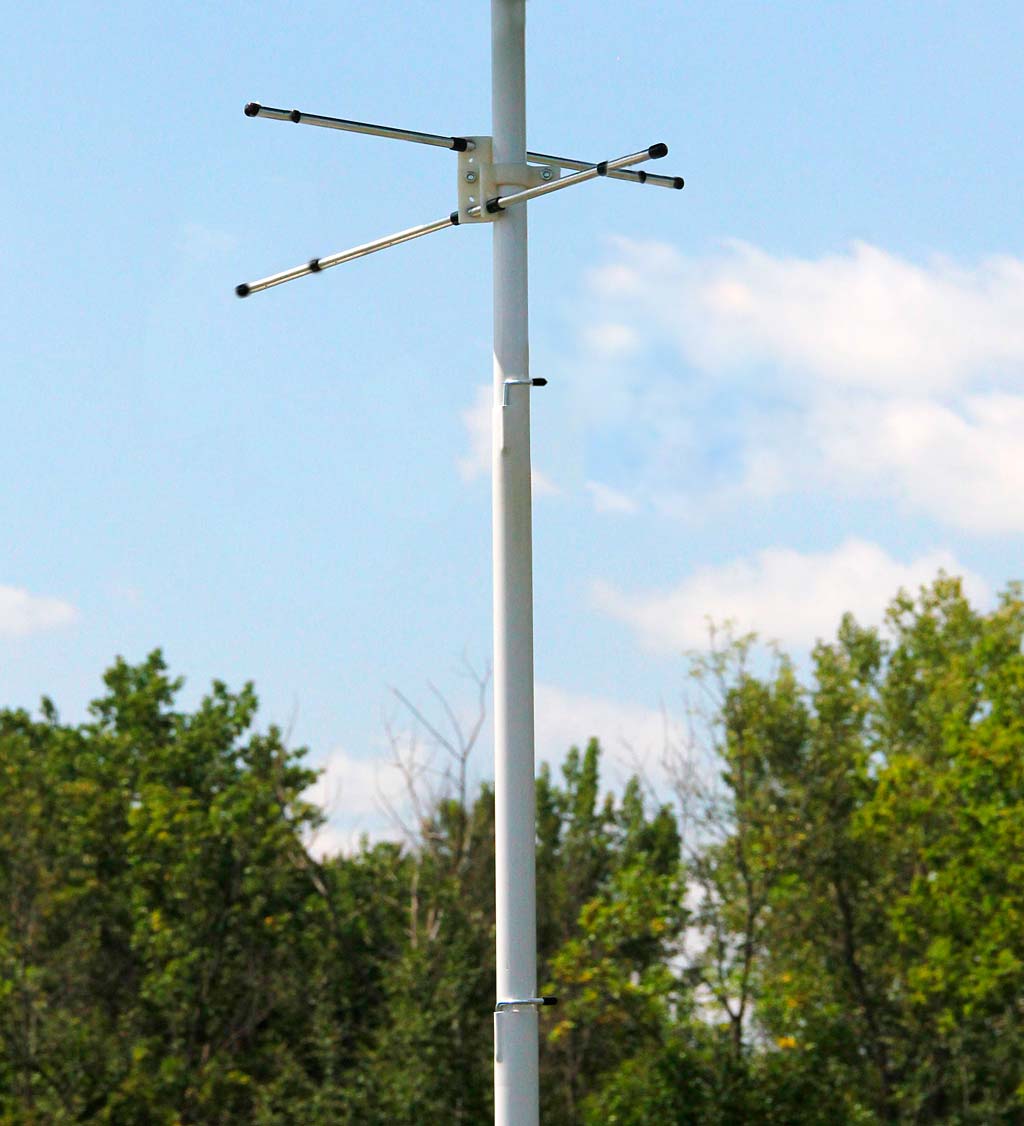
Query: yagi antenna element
{"x": 497, "y": 176}
{"x": 479, "y": 177}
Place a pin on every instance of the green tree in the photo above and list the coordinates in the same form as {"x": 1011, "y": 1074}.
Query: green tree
{"x": 880, "y": 814}
{"x": 949, "y": 815}
{"x": 612, "y": 899}
{"x": 430, "y": 1059}
{"x": 164, "y": 915}
{"x": 838, "y": 937}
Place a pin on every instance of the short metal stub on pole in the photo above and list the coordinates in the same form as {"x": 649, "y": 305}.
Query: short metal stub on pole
{"x": 538, "y": 382}
{"x": 496, "y": 177}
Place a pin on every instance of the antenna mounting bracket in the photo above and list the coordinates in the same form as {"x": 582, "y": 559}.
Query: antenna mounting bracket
{"x": 480, "y": 178}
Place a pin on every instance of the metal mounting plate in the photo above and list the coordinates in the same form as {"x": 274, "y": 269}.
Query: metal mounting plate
{"x": 476, "y": 180}
{"x": 480, "y": 177}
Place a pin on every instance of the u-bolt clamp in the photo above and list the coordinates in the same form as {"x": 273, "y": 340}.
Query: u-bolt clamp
{"x": 537, "y": 1002}
{"x": 519, "y": 383}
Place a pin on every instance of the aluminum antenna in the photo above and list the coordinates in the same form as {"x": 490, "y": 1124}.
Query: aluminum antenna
{"x": 479, "y": 178}
{"x": 496, "y": 175}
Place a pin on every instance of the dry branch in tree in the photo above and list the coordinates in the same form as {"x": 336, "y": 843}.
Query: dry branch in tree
{"x": 432, "y": 757}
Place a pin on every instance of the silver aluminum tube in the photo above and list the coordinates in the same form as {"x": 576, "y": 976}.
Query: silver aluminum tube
{"x": 254, "y": 109}
{"x": 602, "y": 169}
{"x": 618, "y": 174}
{"x": 315, "y": 265}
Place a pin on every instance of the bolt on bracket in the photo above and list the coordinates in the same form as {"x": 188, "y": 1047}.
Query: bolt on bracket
{"x": 480, "y": 178}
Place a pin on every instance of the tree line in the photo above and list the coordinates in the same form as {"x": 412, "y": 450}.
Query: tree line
{"x": 820, "y": 920}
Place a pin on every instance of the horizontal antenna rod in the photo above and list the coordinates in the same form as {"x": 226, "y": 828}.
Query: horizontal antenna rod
{"x": 617, "y": 174}
{"x": 459, "y": 144}
{"x": 315, "y": 265}
{"x": 499, "y": 203}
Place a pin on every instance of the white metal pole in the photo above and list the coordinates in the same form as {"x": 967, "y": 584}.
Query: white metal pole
{"x": 516, "y": 1094}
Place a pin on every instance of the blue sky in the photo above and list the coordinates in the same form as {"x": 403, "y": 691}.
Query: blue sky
{"x": 782, "y": 392}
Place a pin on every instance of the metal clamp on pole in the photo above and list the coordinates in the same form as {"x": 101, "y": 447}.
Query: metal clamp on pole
{"x": 536, "y": 1002}
{"x": 458, "y": 144}
{"x": 499, "y": 203}
{"x": 538, "y": 382}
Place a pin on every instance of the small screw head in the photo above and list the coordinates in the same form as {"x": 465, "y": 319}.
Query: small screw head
{"x": 546, "y": 173}
{"x": 471, "y": 177}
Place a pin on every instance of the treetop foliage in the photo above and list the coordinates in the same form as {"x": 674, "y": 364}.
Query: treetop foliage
{"x": 820, "y": 922}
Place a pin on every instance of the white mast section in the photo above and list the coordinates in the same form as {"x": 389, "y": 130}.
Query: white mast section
{"x": 495, "y": 181}
{"x": 516, "y": 1068}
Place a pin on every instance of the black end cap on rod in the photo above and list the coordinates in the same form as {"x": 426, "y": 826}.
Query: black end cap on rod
{"x": 549, "y": 1000}
{"x": 602, "y": 168}
{"x": 454, "y": 218}
{"x": 658, "y": 150}
{"x": 295, "y": 116}
{"x": 243, "y": 290}
{"x": 459, "y": 144}
{"x": 678, "y": 182}
{"x": 540, "y": 381}
{"x": 252, "y": 109}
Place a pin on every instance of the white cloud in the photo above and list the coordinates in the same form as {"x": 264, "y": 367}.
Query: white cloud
{"x": 607, "y": 499}
{"x": 784, "y": 595}
{"x": 610, "y": 338}
{"x": 354, "y": 794}
{"x": 884, "y": 377}
{"x": 629, "y": 733}
{"x": 331, "y": 839}
{"x": 22, "y": 613}
{"x": 477, "y": 421}
{"x": 542, "y": 485}
{"x": 963, "y": 466}
{"x": 866, "y": 318}
{"x": 350, "y": 786}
